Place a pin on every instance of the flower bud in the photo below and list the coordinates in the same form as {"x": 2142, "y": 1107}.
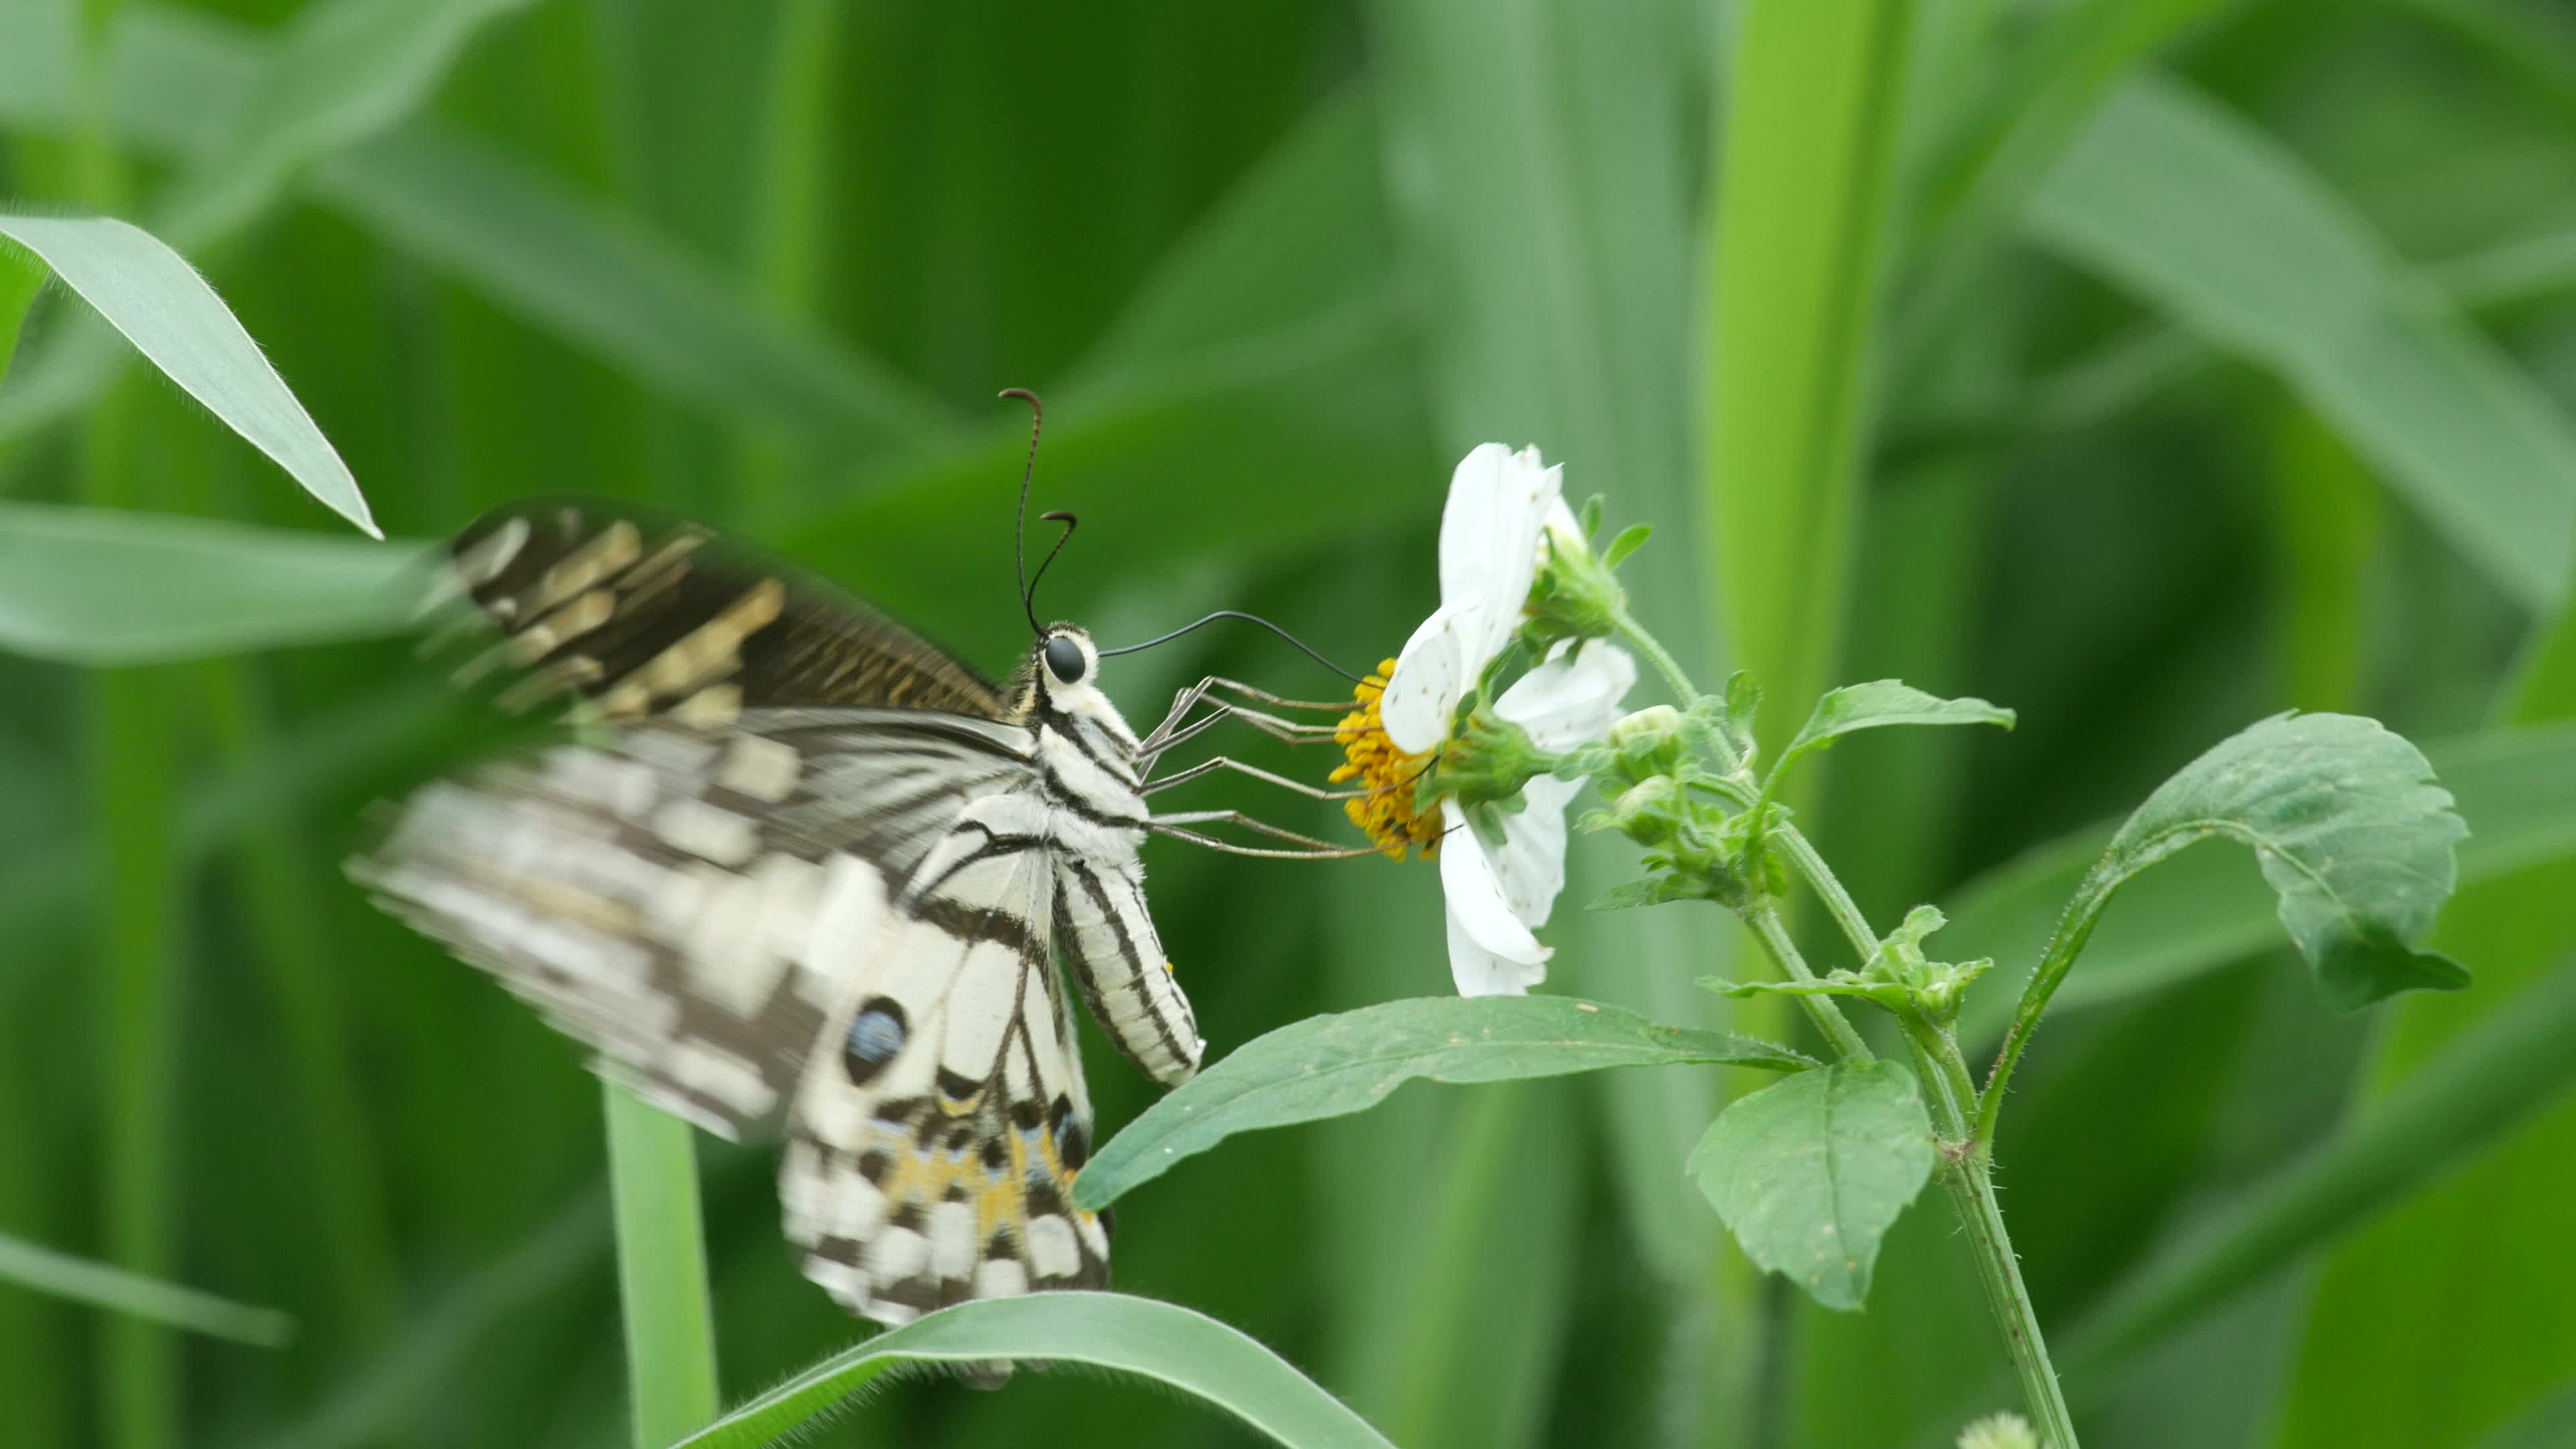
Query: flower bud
{"x": 1648, "y": 743}
{"x": 1650, "y": 811}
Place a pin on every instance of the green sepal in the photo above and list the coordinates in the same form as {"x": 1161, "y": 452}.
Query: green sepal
{"x": 1629, "y": 540}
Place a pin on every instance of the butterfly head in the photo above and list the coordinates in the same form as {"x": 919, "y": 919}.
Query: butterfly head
{"x": 1063, "y": 671}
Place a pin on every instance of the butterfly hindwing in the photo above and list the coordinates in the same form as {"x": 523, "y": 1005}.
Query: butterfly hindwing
{"x": 934, "y": 1140}
{"x": 689, "y": 905}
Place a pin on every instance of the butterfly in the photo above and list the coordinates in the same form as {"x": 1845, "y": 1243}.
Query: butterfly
{"x": 805, "y": 863}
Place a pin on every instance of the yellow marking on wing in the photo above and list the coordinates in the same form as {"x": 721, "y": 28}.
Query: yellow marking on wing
{"x": 615, "y": 547}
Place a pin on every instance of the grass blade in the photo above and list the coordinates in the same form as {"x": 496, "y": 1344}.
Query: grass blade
{"x": 1160, "y": 1342}
{"x": 1809, "y": 149}
{"x": 612, "y": 285}
{"x": 2220, "y": 226}
{"x": 118, "y": 1291}
{"x": 397, "y": 1388}
{"x": 661, "y": 1269}
{"x": 105, "y": 586}
{"x": 342, "y": 71}
{"x": 149, "y": 293}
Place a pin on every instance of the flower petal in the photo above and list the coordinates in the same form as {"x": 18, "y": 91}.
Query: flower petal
{"x": 1425, "y": 686}
{"x": 1570, "y": 700}
{"x": 1489, "y": 529}
{"x": 1530, "y": 864}
{"x": 1477, "y": 905}
{"x": 1480, "y": 972}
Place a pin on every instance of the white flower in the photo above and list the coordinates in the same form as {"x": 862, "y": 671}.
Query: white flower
{"x": 1498, "y": 889}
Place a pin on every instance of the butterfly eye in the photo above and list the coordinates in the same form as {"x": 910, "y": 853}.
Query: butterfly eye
{"x": 1064, "y": 659}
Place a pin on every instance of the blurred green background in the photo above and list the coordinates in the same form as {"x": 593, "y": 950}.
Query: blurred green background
{"x": 2147, "y": 366}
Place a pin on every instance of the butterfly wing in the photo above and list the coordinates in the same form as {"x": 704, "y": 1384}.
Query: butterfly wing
{"x": 687, "y": 892}
{"x": 935, "y": 1136}
{"x": 642, "y": 615}
{"x": 690, "y": 906}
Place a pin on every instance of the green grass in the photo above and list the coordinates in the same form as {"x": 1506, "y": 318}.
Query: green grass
{"x": 2144, "y": 368}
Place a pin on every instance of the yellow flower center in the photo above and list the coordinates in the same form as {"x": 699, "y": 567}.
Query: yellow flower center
{"x": 1386, "y": 812}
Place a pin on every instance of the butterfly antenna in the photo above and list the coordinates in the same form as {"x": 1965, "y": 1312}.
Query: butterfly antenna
{"x": 1029, "y": 601}
{"x": 1307, "y": 649}
{"x": 1020, "y": 525}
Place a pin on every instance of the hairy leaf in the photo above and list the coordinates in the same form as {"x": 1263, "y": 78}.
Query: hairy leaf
{"x": 1331, "y": 1066}
{"x": 1879, "y": 703}
{"x": 2354, "y": 837}
{"x": 1162, "y": 1342}
{"x": 1810, "y": 1172}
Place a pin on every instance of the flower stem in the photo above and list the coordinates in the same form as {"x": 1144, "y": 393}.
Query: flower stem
{"x": 1674, "y": 679}
{"x": 1801, "y": 853}
{"x": 1969, "y": 1180}
{"x": 1966, "y": 1164}
{"x": 1961, "y": 1118}
{"x": 1767, "y": 927}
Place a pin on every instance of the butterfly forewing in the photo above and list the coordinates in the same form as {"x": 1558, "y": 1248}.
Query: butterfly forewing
{"x": 644, "y": 616}
{"x": 801, "y": 857}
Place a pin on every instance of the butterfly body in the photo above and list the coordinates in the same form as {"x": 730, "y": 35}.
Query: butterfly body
{"x": 806, "y": 862}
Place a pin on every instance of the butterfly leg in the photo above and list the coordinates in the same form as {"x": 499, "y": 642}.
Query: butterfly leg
{"x": 1177, "y": 728}
{"x": 1310, "y": 848}
{"x": 1210, "y": 766}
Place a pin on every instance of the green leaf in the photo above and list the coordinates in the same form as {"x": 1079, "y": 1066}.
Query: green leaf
{"x": 150, "y": 293}
{"x": 1334, "y": 1065}
{"x": 610, "y": 284}
{"x": 1880, "y": 703}
{"x": 661, "y": 1268}
{"x": 1810, "y": 1172}
{"x": 2516, "y": 788}
{"x": 2353, "y": 835}
{"x": 99, "y": 586}
{"x": 39, "y": 60}
{"x": 342, "y": 70}
{"x": 1160, "y": 1342}
{"x": 103, "y": 1285}
{"x": 2224, "y": 228}
{"x": 1806, "y": 162}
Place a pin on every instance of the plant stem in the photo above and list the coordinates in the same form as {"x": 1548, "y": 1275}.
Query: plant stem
{"x": 1801, "y": 853}
{"x": 1774, "y": 936}
{"x": 661, "y": 1269}
{"x": 1960, "y": 1118}
{"x": 1674, "y": 679}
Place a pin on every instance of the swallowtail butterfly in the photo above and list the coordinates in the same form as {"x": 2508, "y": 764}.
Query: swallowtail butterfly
{"x": 807, "y": 862}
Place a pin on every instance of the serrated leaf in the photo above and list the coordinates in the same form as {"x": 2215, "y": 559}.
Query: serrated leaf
{"x": 1880, "y": 703}
{"x": 2515, "y": 787}
{"x": 149, "y": 293}
{"x": 1810, "y": 1172}
{"x": 1160, "y": 1342}
{"x": 2354, "y": 837}
{"x": 1331, "y": 1066}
